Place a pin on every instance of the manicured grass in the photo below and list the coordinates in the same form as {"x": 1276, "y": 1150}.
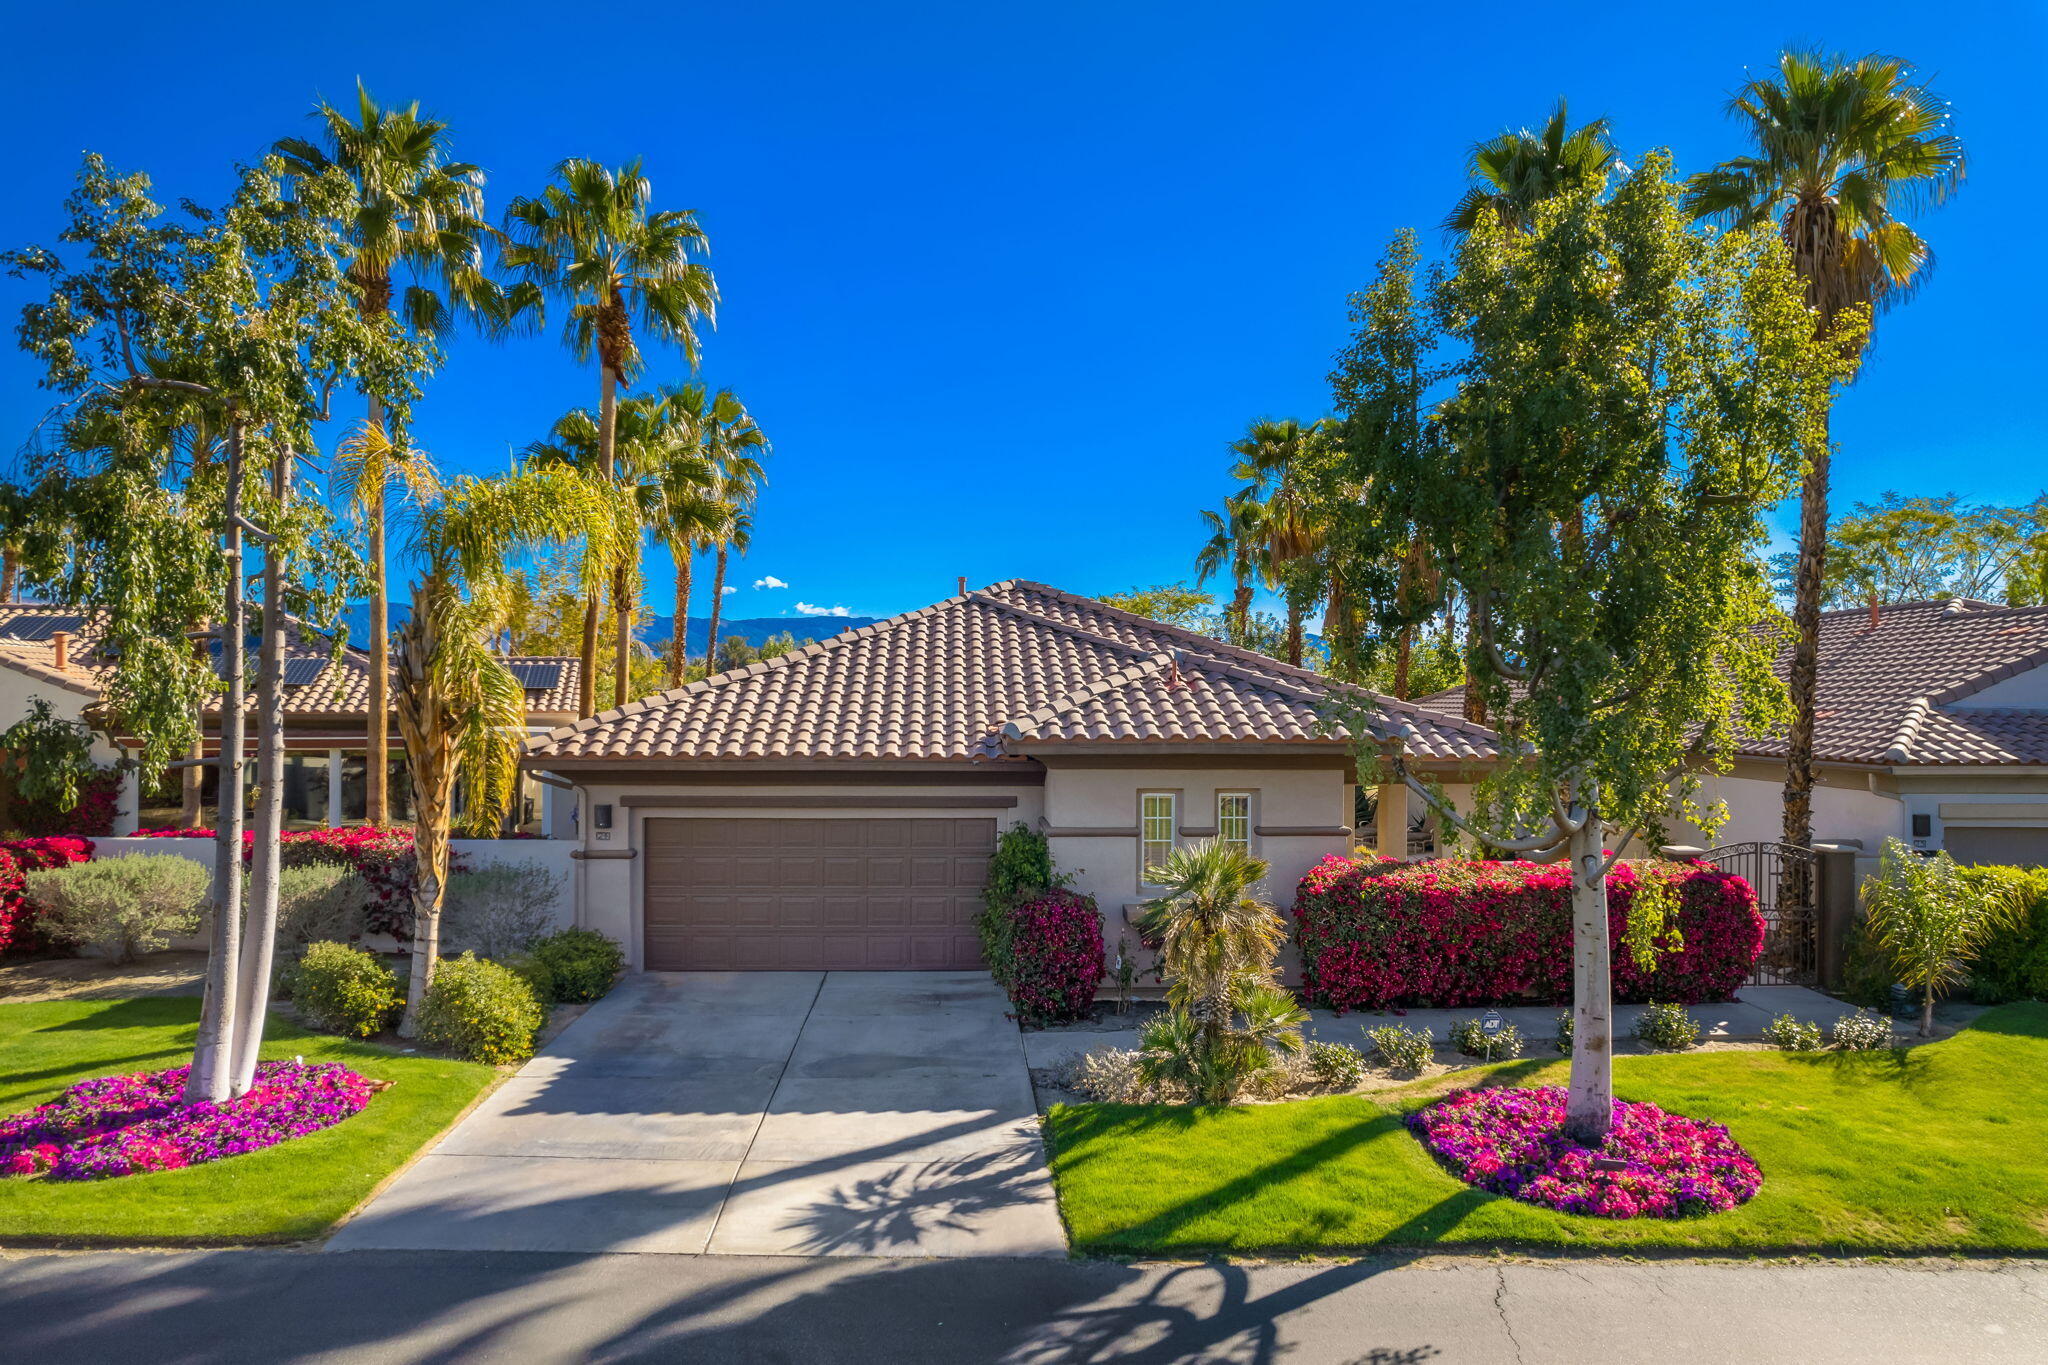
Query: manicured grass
{"x": 1938, "y": 1148}
{"x": 284, "y": 1193}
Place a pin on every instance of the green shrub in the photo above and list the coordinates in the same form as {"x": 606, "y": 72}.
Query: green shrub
{"x": 318, "y": 903}
{"x": 538, "y": 976}
{"x": 501, "y": 908}
{"x": 1470, "y": 1038}
{"x": 1334, "y": 1066}
{"x": 345, "y": 990}
{"x": 1566, "y": 1022}
{"x": 126, "y": 905}
{"x": 1793, "y": 1034}
{"x": 582, "y": 963}
{"x": 1668, "y": 1027}
{"x": 2012, "y": 963}
{"x": 1863, "y": 1032}
{"x": 1400, "y": 1048}
{"x": 480, "y": 1010}
{"x": 1931, "y": 921}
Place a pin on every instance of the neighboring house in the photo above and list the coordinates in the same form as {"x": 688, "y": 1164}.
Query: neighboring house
{"x": 837, "y": 807}
{"x": 1931, "y": 726}
{"x": 51, "y": 652}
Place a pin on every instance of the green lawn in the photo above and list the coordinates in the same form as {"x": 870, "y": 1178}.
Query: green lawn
{"x": 288, "y": 1192}
{"x": 1938, "y": 1148}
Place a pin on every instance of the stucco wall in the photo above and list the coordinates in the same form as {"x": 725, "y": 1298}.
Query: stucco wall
{"x": 18, "y": 689}
{"x": 2028, "y": 689}
{"x": 1844, "y": 808}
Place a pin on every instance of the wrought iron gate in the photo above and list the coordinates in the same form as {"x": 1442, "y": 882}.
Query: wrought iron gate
{"x": 1783, "y": 875}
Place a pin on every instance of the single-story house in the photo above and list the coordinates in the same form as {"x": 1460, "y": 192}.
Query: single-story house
{"x": 837, "y": 807}
{"x": 53, "y": 653}
{"x": 1931, "y": 726}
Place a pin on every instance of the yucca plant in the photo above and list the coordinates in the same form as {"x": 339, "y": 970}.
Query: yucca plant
{"x": 1228, "y": 1021}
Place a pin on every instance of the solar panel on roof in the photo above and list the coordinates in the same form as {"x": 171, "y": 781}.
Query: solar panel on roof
{"x": 300, "y": 672}
{"x": 536, "y": 677}
{"x": 40, "y": 627}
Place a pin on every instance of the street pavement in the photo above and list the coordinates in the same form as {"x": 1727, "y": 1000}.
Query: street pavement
{"x": 196, "y": 1308}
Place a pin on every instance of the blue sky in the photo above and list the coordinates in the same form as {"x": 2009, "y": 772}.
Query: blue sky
{"x": 1001, "y": 281}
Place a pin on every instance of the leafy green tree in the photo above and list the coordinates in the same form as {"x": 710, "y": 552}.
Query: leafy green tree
{"x": 1518, "y": 169}
{"x": 417, "y": 218}
{"x": 1928, "y": 920}
{"x": 1177, "y": 604}
{"x": 1630, "y": 397}
{"x": 590, "y": 243}
{"x": 1841, "y": 147}
{"x": 1902, "y": 549}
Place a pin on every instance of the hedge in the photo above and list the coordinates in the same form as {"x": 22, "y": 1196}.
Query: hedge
{"x": 1378, "y": 933}
{"x": 18, "y": 858}
{"x": 2014, "y": 964}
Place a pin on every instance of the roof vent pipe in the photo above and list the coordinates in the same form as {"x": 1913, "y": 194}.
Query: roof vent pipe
{"x": 960, "y": 586}
{"x": 1874, "y": 618}
{"x": 60, "y": 641}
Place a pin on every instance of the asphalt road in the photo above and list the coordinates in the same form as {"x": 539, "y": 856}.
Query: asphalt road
{"x": 256, "y": 1306}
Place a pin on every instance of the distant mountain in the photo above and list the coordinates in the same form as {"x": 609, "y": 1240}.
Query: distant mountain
{"x": 658, "y": 629}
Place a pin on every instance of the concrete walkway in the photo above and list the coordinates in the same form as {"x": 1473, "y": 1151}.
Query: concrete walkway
{"x": 753, "y": 1113}
{"x": 1739, "y": 1020}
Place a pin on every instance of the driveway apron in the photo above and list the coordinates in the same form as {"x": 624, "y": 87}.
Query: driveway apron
{"x": 770, "y": 1113}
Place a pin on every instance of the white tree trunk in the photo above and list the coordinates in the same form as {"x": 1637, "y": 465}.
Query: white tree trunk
{"x": 1589, "y": 1106}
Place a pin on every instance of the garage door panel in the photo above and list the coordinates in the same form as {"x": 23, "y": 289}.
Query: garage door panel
{"x": 880, "y": 894}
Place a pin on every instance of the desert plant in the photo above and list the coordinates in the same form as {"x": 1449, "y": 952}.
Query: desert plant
{"x": 480, "y": 1010}
{"x": 127, "y": 905}
{"x": 1667, "y": 1027}
{"x": 1563, "y": 1040}
{"x": 317, "y": 903}
{"x": 582, "y": 962}
{"x": 1793, "y": 1034}
{"x": 344, "y": 990}
{"x": 1400, "y": 1048}
{"x": 1863, "y": 1031}
{"x": 1469, "y": 1036}
{"x": 500, "y": 908}
{"x": 1116, "y": 1076}
{"x": 1227, "y": 1019}
{"x": 1928, "y": 920}
{"x": 1334, "y": 1066}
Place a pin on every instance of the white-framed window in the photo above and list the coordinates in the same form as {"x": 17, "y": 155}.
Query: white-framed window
{"x": 1234, "y": 820}
{"x": 1158, "y": 829}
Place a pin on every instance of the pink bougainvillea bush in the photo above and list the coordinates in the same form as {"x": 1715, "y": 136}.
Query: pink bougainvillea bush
{"x": 1048, "y": 955}
{"x": 18, "y": 858}
{"x": 1379, "y": 933}
{"x": 124, "y": 1125}
{"x": 1657, "y": 1165}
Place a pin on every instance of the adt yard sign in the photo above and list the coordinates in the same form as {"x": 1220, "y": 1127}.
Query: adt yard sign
{"x": 1490, "y": 1023}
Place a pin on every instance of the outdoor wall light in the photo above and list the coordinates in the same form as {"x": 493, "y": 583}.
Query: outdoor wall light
{"x": 601, "y": 817}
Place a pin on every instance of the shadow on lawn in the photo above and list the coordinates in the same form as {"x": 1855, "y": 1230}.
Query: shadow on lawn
{"x": 143, "y": 1011}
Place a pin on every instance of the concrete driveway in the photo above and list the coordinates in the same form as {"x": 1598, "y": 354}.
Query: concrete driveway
{"x": 754, "y": 1113}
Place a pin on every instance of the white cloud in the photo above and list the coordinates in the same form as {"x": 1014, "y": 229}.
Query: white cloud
{"x": 806, "y": 609}
{"x": 771, "y": 581}
{"x": 727, "y": 589}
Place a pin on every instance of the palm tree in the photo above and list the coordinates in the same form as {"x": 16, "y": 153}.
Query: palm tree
{"x": 419, "y": 212}
{"x": 590, "y": 242}
{"x": 1217, "y": 941}
{"x": 1274, "y": 458}
{"x": 1236, "y": 535}
{"x": 1519, "y": 168}
{"x": 679, "y": 498}
{"x": 732, "y": 442}
{"x": 459, "y": 708}
{"x": 1840, "y": 145}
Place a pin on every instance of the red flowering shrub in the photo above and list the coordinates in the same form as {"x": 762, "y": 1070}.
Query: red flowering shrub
{"x": 1051, "y": 955}
{"x": 18, "y": 858}
{"x": 1448, "y": 934}
{"x": 99, "y": 800}
{"x": 380, "y": 854}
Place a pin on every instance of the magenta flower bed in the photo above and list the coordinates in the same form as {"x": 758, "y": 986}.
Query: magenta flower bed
{"x": 1512, "y": 1142}
{"x": 1375, "y": 934}
{"x": 124, "y": 1125}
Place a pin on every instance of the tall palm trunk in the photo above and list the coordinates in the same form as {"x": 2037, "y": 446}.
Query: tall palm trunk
{"x": 586, "y": 693}
{"x": 622, "y": 599}
{"x": 1293, "y": 633}
{"x": 1404, "y": 659}
{"x": 211, "y": 1071}
{"x": 1475, "y": 702}
{"x": 377, "y": 750}
{"x": 10, "y": 569}
{"x": 1805, "y": 670}
{"x": 717, "y": 602}
{"x": 1240, "y": 618}
{"x": 679, "y": 646}
{"x": 1589, "y": 1103}
{"x": 431, "y": 755}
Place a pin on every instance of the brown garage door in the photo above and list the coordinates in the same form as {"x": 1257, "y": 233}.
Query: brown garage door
{"x": 814, "y": 894}
{"x": 2024, "y": 847}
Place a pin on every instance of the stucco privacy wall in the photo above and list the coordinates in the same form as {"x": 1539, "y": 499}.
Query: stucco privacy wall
{"x": 609, "y": 876}
{"x": 1848, "y": 805}
{"x": 553, "y": 854}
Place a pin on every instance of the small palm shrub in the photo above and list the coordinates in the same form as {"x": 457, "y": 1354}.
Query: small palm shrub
{"x": 1400, "y": 1048}
{"x": 1863, "y": 1032}
{"x": 1929, "y": 920}
{"x": 581, "y": 963}
{"x": 1334, "y": 1066}
{"x": 125, "y": 906}
{"x": 500, "y": 908}
{"x": 1566, "y": 1022}
{"x": 480, "y": 1010}
{"x": 1668, "y": 1027}
{"x": 339, "y": 989}
{"x": 1793, "y": 1034}
{"x": 1228, "y": 1025}
{"x": 1469, "y": 1037}
{"x": 318, "y": 903}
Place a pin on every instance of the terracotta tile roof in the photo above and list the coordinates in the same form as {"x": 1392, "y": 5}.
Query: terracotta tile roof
{"x": 1900, "y": 693}
{"x": 338, "y": 690}
{"x": 994, "y": 675}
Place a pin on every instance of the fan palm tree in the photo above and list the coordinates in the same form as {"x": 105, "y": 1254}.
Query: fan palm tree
{"x": 590, "y": 242}
{"x": 1217, "y": 942}
{"x": 1274, "y": 459}
{"x": 420, "y": 213}
{"x": 733, "y": 442}
{"x": 1841, "y": 146}
{"x": 1236, "y": 536}
{"x": 1520, "y": 168}
{"x": 459, "y": 708}
{"x": 678, "y": 493}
